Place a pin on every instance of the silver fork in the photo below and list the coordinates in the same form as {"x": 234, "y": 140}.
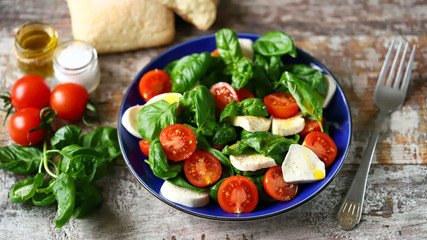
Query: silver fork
{"x": 389, "y": 96}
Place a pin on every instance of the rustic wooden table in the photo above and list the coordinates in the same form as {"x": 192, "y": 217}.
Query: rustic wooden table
{"x": 349, "y": 37}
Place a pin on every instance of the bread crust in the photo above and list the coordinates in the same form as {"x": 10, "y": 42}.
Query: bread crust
{"x": 115, "y": 26}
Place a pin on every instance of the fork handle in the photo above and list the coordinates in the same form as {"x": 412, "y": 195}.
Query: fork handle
{"x": 356, "y": 192}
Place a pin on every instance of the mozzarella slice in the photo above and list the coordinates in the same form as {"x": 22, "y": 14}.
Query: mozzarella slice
{"x": 288, "y": 126}
{"x": 251, "y": 123}
{"x": 301, "y": 165}
{"x": 246, "y": 46}
{"x": 332, "y": 87}
{"x": 130, "y": 120}
{"x": 184, "y": 196}
{"x": 251, "y": 162}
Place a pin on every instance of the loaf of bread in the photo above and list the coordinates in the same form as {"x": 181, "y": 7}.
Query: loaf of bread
{"x": 201, "y": 13}
{"x": 121, "y": 25}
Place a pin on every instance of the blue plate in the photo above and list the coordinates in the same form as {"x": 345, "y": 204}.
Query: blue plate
{"x": 337, "y": 114}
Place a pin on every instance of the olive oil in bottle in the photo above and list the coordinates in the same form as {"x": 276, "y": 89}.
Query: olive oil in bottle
{"x": 35, "y": 43}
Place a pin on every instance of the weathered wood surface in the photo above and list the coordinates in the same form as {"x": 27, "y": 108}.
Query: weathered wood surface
{"x": 349, "y": 38}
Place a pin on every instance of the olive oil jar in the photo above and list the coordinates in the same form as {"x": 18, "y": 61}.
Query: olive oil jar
{"x": 35, "y": 43}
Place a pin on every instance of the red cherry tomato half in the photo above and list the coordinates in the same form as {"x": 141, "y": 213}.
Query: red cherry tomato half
{"x": 276, "y": 187}
{"x": 244, "y": 93}
{"x": 145, "y": 146}
{"x": 154, "y": 83}
{"x": 281, "y": 105}
{"x": 20, "y": 125}
{"x": 223, "y": 94}
{"x": 322, "y": 145}
{"x": 178, "y": 142}
{"x": 30, "y": 91}
{"x": 215, "y": 53}
{"x": 237, "y": 194}
{"x": 202, "y": 169}
{"x": 69, "y": 101}
{"x": 310, "y": 126}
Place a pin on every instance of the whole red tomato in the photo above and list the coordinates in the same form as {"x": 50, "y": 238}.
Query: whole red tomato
{"x": 20, "y": 125}
{"x": 69, "y": 101}
{"x": 30, "y": 91}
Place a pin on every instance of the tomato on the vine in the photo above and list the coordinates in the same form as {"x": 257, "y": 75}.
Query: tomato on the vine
{"x": 69, "y": 101}
{"x": 202, "y": 169}
{"x": 178, "y": 142}
{"x": 276, "y": 187}
{"x": 30, "y": 91}
{"x": 238, "y": 194}
{"x": 281, "y": 105}
{"x": 154, "y": 83}
{"x": 20, "y": 125}
{"x": 322, "y": 145}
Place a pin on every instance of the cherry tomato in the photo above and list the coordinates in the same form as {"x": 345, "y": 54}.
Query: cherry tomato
{"x": 69, "y": 101}
{"x": 145, "y": 146}
{"x": 276, "y": 187}
{"x": 281, "y": 105}
{"x": 20, "y": 125}
{"x": 202, "y": 169}
{"x": 237, "y": 194}
{"x": 30, "y": 91}
{"x": 322, "y": 145}
{"x": 215, "y": 53}
{"x": 223, "y": 94}
{"x": 154, "y": 83}
{"x": 310, "y": 126}
{"x": 178, "y": 142}
{"x": 244, "y": 93}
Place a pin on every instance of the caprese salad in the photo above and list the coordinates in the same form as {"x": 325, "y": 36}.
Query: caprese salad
{"x": 236, "y": 125}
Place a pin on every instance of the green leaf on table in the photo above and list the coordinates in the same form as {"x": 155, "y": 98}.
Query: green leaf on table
{"x": 20, "y": 159}
{"x": 87, "y": 198}
{"x": 65, "y": 195}
{"x": 65, "y": 136}
{"x": 104, "y": 140}
{"x": 24, "y": 190}
{"x": 81, "y": 162}
{"x": 46, "y": 197}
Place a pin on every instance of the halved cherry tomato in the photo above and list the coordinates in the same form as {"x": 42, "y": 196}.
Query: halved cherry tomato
{"x": 69, "y": 101}
{"x": 178, "y": 142}
{"x": 238, "y": 194}
{"x": 154, "y": 83}
{"x": 276, "y": 187}
{"x": 244, "y": 93}
{"x": 20, "y": 125}
{"x": 215, "y": 53}
{"x": 145, "y": 146}
{"x": 202, "y": 169}
{"x": 310, "y": 126}
{"x": 223, "y": 94}
{"x": 322, "y": 145}
{"x": 281, "y": 105}
{"x": 30, "y": 91}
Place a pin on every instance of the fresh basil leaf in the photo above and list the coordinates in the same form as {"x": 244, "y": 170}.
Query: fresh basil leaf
{"x": 104, "y": 140}
{"x": 20, "y": 159}
{"x": 260, "y": 83}
{"x": 213, "y": 190}
{"x": 188, "y": 70}
{"x": 314, "y": 78}
{"x": 65, "y": 194}
{"x": 87, "y": 198}
{"x": 181, "y": 182}
{"x": 275, "y": 44}
{"x": 46, "y": 197}
{"x": 65, "y": 136}
{"x": 275, "y": 68}
{"x": 24, "y": 190}
{"x": 159, "y": 163}
{"x": 247, "y": 107}
{"x": 154, "y": 117}
{"x": 228, "y": 48}
{"x": 224, "y": 133}
{"x": 241, "y": 74}
{"x": 304, "y": 96}
{"x": 202, "y": 104}
{"x": 215, "y": 71}
{"x": 170, "y": 67}
{"x": 81, "y": 162}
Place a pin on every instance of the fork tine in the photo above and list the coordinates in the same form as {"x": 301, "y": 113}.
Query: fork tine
{"x": 399, "y": 72}
{"x": 393, "y": 66}
{"x": 407, "y": 77}
{"x": 386, "y": 63}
